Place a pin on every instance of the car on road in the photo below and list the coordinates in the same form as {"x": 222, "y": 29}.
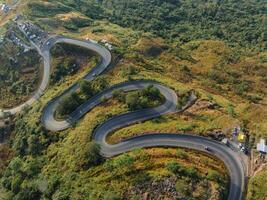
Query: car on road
{"x": 244, "y": 150}
{"x": 207, "y": 148}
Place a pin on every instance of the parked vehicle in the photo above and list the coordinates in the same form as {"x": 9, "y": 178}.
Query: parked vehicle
{"x": 207, "y": 148}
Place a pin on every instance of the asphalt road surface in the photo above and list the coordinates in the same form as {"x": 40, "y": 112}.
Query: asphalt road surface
{"x": 230, "y": 158}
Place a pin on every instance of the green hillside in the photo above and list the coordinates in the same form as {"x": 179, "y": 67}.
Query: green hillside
{"x": 215, "y": 48}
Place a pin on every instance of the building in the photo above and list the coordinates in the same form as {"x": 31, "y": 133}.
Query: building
{"x": 261, "y": 146}
{"x": 241, "y": 137}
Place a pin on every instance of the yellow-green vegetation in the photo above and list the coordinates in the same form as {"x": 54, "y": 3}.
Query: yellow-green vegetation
{"x": 257, "y": 188}
{"x": 19, "y": 72}
{"x": 221, "y": 66}
{"x": 69, "y": 59}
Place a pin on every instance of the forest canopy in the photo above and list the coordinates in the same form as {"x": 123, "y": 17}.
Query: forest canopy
{"x": 237, "y": 22}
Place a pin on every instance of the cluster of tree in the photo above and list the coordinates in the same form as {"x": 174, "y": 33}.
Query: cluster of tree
{"x": 183, "y": 99}
{"x": 21, "y": 169}
{"x": 30, "y": 139}
{"x": 234, "y": 80}
{"x": 129, "y": 71}
{"x": 97, "y": 85}
{"x": 75, "y": 23}
{"x": 190, "y": 176}
{"x": 147, "y": 97}
{"x": 65, "y": 67}
{"x": 19, "y": 178}
{"x": 237, "y": 22}
{"x": 14, "y": 66}
{"x": 68, "y": 104}
{"x": 86, "y": 90}
{"x": 22, "y": 177}
{"x": 65, "y": 60}
{"x": 6, "y": 154}
{"x": 180, "y": 170}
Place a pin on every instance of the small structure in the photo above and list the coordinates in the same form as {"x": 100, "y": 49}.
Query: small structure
{"x": 225, "y": 141}
{"x": 5, "y": 8}
{"x": 261, "y": 146}
{"x": 109, "y": 46}
{"x": 241, "y": 137}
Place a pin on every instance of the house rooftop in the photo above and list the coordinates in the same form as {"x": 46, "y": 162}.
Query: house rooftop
{"x": 261, "y": 146}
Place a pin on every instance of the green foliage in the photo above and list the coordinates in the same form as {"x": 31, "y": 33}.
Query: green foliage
{"x": 180, "y": 153}
{"x": 129, "y": 71}
{"x": 67, "y": 67}
{"x": 181, "y": 187}
{"x": 67, "y": 60}
{"x": 123, "y": 162}
{"x": 231, "y": 110}
{"x": 68, "y": 104}
{"x": 174, "y": 167}
{"x": 119, "y": 95}
{"x": 19, "y": 177}
{"x": 19, "y": 73}
{"x": 147, "y": 97}
{"x": 242, "y": 87}
{"x": 99, "y": 84}
{"x": 237, "y": 22}
{"x": 38, "y": 9}
{"x": 183, "y": 99}
{"x": 75, "y": 24}
{"x": 191, "y": 172}
{"x": 93, "y": 156}
{"x": 30, "y": 139}
{"x": 186, "y": 127}
{"x": 110, "y": 195}
{"x": 257, "y": 188}
{"x": 86, "y": 88}
{"x": 141, "y": 179}
{"x": 214, "y": 176}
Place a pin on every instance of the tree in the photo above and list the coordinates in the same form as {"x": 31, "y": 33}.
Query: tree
{"x": 93, "y": 156}
{"x": 119, "y": 95}
{"x": 214, "y": 175}
{"x": 181, "y": 187}
{"x": 192, "y": 172}
{"x": 132, "y": 101}
{"x": 152, "y": 92}
{"x": 143, "y": 102}
{"x": 99, "y": 84}
{"x": 68, "y": 104}
{"x": 86, "y": 88}
{"x": 34, "y": 145}
{"x": 174, "y": 167}
{"x": 180, "y": 153}
{"x": 16, "y": 165}
{"x": 230, "y": 110}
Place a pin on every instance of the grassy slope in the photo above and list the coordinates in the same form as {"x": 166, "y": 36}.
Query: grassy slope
{"x": 25, "y": 82}
{"x": 258, "y": 187}
{"x": 64, "y": 156}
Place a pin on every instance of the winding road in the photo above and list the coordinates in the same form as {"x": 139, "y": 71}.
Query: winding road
{"x": 230, "y": 158}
